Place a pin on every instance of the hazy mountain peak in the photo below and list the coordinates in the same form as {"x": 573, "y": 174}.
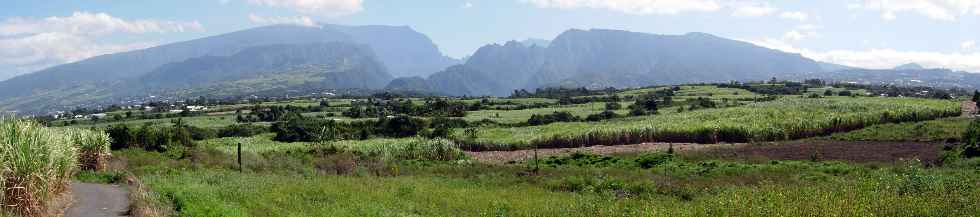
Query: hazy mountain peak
{"x": 700, "y": 34}
{"x": 513, "y": 43}
{"x": 536, "y": 42}
{"x": 832, "y": 67}
{"x": 599, "y": 58}
{"x": 402, "y": 50}
{"x": 909, "y": 66}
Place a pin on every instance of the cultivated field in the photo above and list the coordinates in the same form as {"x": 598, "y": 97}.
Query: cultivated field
{"x": 694, "y": 150}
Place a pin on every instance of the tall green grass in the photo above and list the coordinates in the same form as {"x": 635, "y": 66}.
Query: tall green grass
{"x": 398, "y": 149}
{"x": 37, "y": 164}
{"x": 784, "y": 119}
{"x": 93, "y": 147}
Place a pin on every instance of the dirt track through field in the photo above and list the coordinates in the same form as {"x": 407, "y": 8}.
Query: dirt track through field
{"x": 98, "y": 200}
{"x": 830, "y": 150}
{"x": 499, "y": 157}
{"x": 969, "y": 108}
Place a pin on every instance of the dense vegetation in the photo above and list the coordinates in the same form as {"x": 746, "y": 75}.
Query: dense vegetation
{"x": 311, "y": 157}
{"x": 37, "y": 163}
{"x": 785, "y": 119}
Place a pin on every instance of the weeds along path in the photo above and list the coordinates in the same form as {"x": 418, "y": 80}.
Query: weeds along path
{"x": 96, "y": 200}
{"x": 500, "y": 157}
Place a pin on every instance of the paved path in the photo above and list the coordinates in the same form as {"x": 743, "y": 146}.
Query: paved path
{"x": 98, "y": 200}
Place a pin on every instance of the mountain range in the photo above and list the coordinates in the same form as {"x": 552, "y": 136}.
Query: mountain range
{"x": 285, "y": 59}
{"x": 101, "y": 79}
{"x": 610, "y": 58}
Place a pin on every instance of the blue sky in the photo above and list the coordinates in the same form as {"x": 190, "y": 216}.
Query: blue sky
{"x": 866, "y": 33}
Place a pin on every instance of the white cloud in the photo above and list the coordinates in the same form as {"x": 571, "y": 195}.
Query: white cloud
{"x": 325, "y": 8}
{"x": 794, "y": 15}
{"x": 946, "y": 10}
{"x": 29, "y": 44}
{"x": 753, "y": 11}
{"x": 300, "y": 20}
{"x": 466, "y": 5}
{"x": 882, "y": 58}
{"x": 801, "y": 32}
{"x": 32, "y": 53}
{"x": 92, "y": 24}
{"x": 633, "y": 6}
{"x": 794, "y": 35}
{"x": 967, "y": 45}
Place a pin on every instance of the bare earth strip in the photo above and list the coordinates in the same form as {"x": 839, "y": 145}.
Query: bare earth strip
{"x": 969, "y": 108}
{"x": 498, "y": 157}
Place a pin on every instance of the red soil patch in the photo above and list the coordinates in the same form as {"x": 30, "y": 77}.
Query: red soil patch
{"x": 824, "y": 150}
{"x": 523, "y": 155}
{"x": 969, "y": 108}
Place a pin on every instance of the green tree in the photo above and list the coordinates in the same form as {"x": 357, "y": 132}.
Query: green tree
{"x": 613, "y": 106}
{"x": 971, "y": 140}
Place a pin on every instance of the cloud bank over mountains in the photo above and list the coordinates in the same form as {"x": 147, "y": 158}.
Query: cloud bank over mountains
{"x": 31, "y": 44}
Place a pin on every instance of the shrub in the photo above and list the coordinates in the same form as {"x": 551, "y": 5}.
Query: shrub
{"x": 613, "y": 106}
{"x": 537, "y": 119}
{"x": 637, "y": 111}
{"x": 297, "y": 130}
{"x": 151, "y": 138}
{"x": 241, "y": 130}
{"x": 971, "y": 140}
{"x": 605, "y": 115}
{"x": 93, "y": 146}
{"x": 402, "y": 126}
{"x": 648, "y": 161}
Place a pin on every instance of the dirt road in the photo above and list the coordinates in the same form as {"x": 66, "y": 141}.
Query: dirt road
{"x": 969, "y": 108}
{"x": 98, "y": 200}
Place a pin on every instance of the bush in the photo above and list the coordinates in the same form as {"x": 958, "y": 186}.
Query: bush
{"x": 648, "y": 161}
{"x": 198, "y": 133}
{"x": 153, "y": 138}
{"x": 93, "y": 148}
{"x": 605, "y": 115}
{"x": 613, "y": 106}
{"x": 637, "y": 111}
{"x": 402, "y": 126}
{"x": 537, "y": 119}
{"x": 241, "y": 130}
{"x": 298, "y": 130}
{"x": 971, "y": 140}
{"x": 301, "y": 130}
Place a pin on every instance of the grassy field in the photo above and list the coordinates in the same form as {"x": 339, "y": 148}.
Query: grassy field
{"x": 520, "y": 116}
{"x": 934, "y": 130}
{"x": 798, "y": 156}
{"x": 789, "y": 118}
{"x": 206, "y": 121}
{"x": 582, "y": 185}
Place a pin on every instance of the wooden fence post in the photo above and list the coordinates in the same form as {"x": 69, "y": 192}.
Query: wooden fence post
{"x": 240, "y": 168}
